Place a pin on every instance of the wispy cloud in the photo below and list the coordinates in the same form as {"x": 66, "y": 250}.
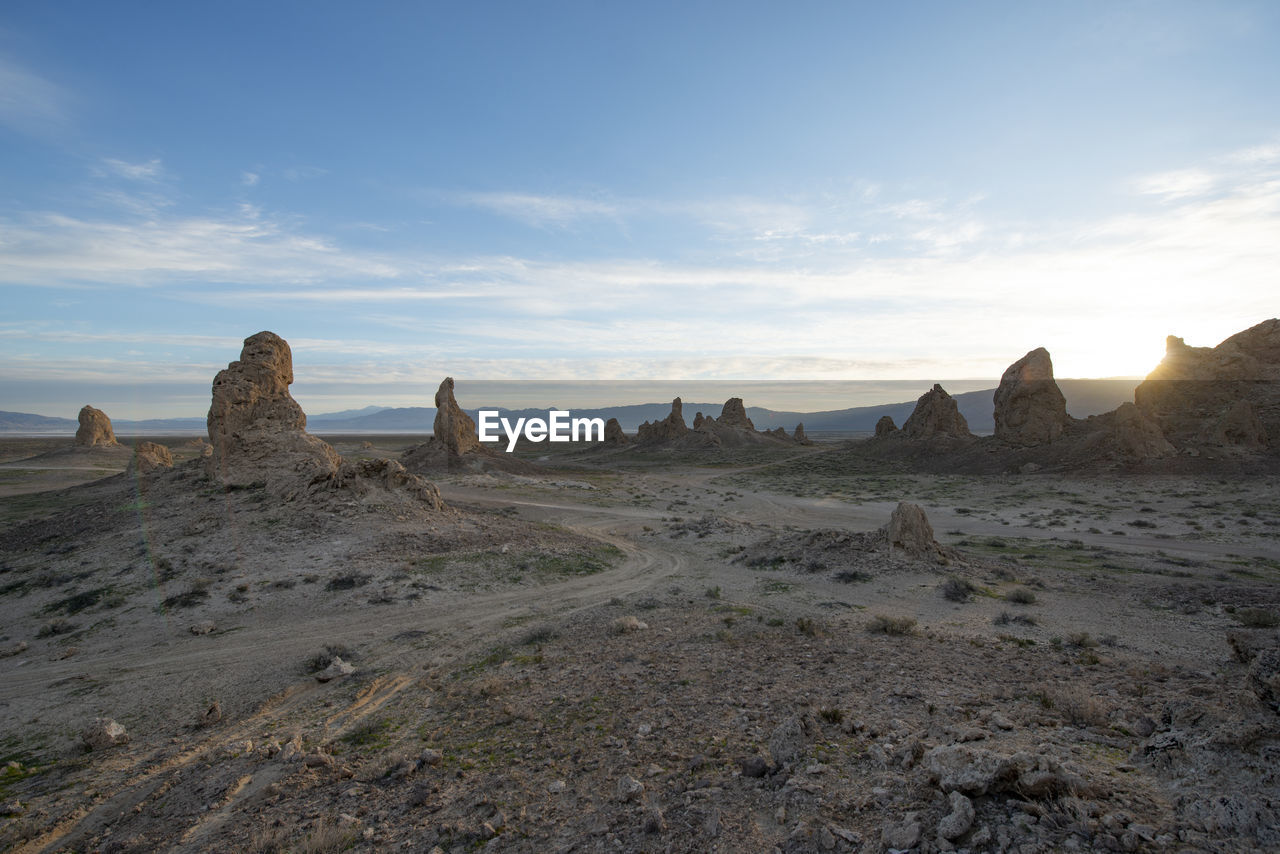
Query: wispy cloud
{"x": 152, "y": 170}
{"x": 249, "y": 179}
{"x": 1179, "y": 184}
{"x": 29, "y": 103}
{"x": 540, "y": 211}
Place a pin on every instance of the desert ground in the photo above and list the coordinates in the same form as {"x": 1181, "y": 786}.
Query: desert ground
{"x": 636, "y": 651}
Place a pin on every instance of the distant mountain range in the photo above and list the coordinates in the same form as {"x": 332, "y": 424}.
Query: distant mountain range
{"x": 1084, "y": 398}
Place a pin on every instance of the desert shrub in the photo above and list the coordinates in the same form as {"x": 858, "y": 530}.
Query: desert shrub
{"x": 956, "y": 589}
{"x": 852, "y": 576}
{"x": 537, "y": 635}
{"x": 1004, "y": 618}
{"x": 1081, "y": 640}
{"x": 1078, "y": 707}
{"x": 881, "y": 624}
{"x": 189, "y": 598}
{"x": 1257, "y": 618}
{"x": 712, "y": 592}
{"x": 809, "y": 627}
{"x": 831, "y": 715}
{"x": 53, "y": 628}
{"x": 347, "y": 581}
{"x": 1020, "y": 596}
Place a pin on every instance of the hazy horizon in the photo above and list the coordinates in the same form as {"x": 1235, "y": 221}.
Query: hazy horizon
{"x": 783, "y": 396}
{"x": 860, "y": 192}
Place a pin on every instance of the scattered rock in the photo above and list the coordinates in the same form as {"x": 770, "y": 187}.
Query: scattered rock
{"x": 901, "y": 836}
{"x": 103, "y": 733}
{"x": 789, "y": 740}
{"x": 629, "y": 789}
{"x": 1029, "y": 406}
{"x": 654, "y": 821}
{"x": 957, "y": 822}
{"x": 753, "y": 766}
{"x": 969, "y": 770}
{"x": 337, "y": 668}
{"x": 95, "y": 429}
{"x": 936, "y": 414}
{"x": 318, "y": 759}
{"x": 211, "y": 715}
{"x": 203, "y": 628}
{"x": 623, "y": 625}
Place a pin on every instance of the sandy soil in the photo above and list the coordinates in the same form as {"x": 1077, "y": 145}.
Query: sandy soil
{"x": 638, "y": 654}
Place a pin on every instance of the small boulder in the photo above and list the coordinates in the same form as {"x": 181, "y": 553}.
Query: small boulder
{"x": 629, "y": 789}
{"x": 789, "y": 740}
{"x": 336, "y": 669}
{"x": 957, "y": 822}
{"x": 211, "y": 715}
{"x": 103, "y": 733}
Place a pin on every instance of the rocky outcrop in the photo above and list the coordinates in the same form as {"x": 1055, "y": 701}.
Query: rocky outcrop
{"x": 257, "y": 430}
{"x": 885, "y": 427}
{"x": 1194, "y": 392}
{"x": 799, "y": 435}
{"x": 1029, "y": 406}
{"x": 365, "y": 477}
{"x": 671, "y": 427}
{"x": 1239, "y": 425}
{"x": 95, "y": 429}
{"x": 734, "y": 414}
{"x": 936, "y": 415}
{"x": 698, "y": 421}
{"x": 613, "y": 434}
{"x": 1137, "y": 435}
{"x": 909, "y": 531}
{"x": 150, "y": 457}
{"x": 453, "y": 427}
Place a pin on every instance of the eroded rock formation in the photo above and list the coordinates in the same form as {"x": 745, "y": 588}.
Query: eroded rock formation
{"x": 453, "y": 427}
{"x": 1029, "y": 406}
{"x": 799, "y": 435}
{"x": 671, "y": 427}
{"x": 95, "y": 429}
{"x": 734, "y": 414}
{"x": 909, "y": 531}
{"x": 1137, "y": 435}
{"x": 885, "y": 426}
{"x": 257, "y": 430}
{"x": 1228, "y": 395}
{"x": 613, "y": 434}
{"x": 936, "y": 414}
{"x": 150, "y": 457}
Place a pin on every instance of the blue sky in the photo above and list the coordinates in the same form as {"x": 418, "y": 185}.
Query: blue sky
{"x": 624, "y": 191}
